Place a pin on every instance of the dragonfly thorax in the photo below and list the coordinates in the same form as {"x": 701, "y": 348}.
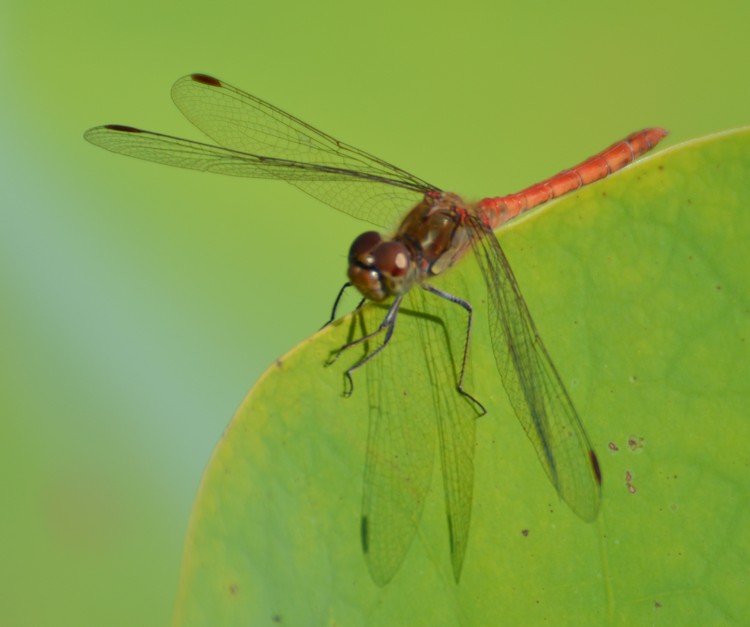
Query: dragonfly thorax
{"x": 381, "y": 268}
{"x": 431, "y": 238}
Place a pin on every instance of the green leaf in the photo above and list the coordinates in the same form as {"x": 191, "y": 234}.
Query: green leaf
{"x": 639, "y": 287}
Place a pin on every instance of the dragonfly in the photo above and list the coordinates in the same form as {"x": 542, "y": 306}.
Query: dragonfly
{"x": 255, "y": 139}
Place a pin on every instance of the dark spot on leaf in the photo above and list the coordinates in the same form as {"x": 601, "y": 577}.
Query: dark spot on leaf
{"x": 525, "y": 533}
{"x": 628, "y": 482}
{"x": 635, "y": 442}
{"x": 613, "y": 447}
{"x": 233, "y": 589}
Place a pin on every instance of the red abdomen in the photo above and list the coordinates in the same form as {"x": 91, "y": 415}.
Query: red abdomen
{"x": 614, "y": 158}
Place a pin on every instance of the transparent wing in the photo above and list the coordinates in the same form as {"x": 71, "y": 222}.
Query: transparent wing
{"x": 533, "y": 386}
{"x": 404, "y": 412}
{"x": 240, "y": 121}
{"x": 456, "y": 420}
{"x": 378, "y": 201}
{"x": 442, "y": 346}
{"x": 261, "y": 141}
{"x": 184, "y": 153}
{"x": 400, "y": 449}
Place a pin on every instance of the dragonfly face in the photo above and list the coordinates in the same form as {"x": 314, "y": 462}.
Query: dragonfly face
{"x": 381, "y": 268}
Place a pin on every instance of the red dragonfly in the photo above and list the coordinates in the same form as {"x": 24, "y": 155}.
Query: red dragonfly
{"x": 258, "y": 140}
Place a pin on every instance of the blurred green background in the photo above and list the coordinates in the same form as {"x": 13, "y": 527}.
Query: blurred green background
{"x": 140, "y": 303}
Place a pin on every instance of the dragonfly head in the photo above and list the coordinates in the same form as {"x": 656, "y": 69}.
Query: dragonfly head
{"x": 380, "y": 268}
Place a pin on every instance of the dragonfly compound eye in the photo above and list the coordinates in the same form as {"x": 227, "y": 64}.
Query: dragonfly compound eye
{"x": 378, "y": 268}
{"x": 363, "y": 246}
{"x": 363, "y": 272}
{"x": 391, "y": 259}
{"x": 395, "y": 266}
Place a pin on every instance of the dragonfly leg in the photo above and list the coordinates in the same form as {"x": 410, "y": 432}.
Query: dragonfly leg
{"x": 337, "y": 301}
{"x": 467, "y": 306}
{"x": 386, "y": 326}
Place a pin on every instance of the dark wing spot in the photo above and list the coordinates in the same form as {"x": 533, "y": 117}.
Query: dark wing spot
{"x": 206, "y": 79}
{"x": 595, "y": 467}
{"x": 365, "y": 535}
{"x": 123, "y": 129}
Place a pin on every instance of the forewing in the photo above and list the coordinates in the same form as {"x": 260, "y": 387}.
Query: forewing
{"x": 533, "y": 385}
{"x": 240, "y": 121}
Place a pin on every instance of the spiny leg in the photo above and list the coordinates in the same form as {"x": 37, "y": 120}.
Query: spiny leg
{"x": 467, "y": 306}
{"x": 338, "y": 301}
{"x": 387, "y": 326}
